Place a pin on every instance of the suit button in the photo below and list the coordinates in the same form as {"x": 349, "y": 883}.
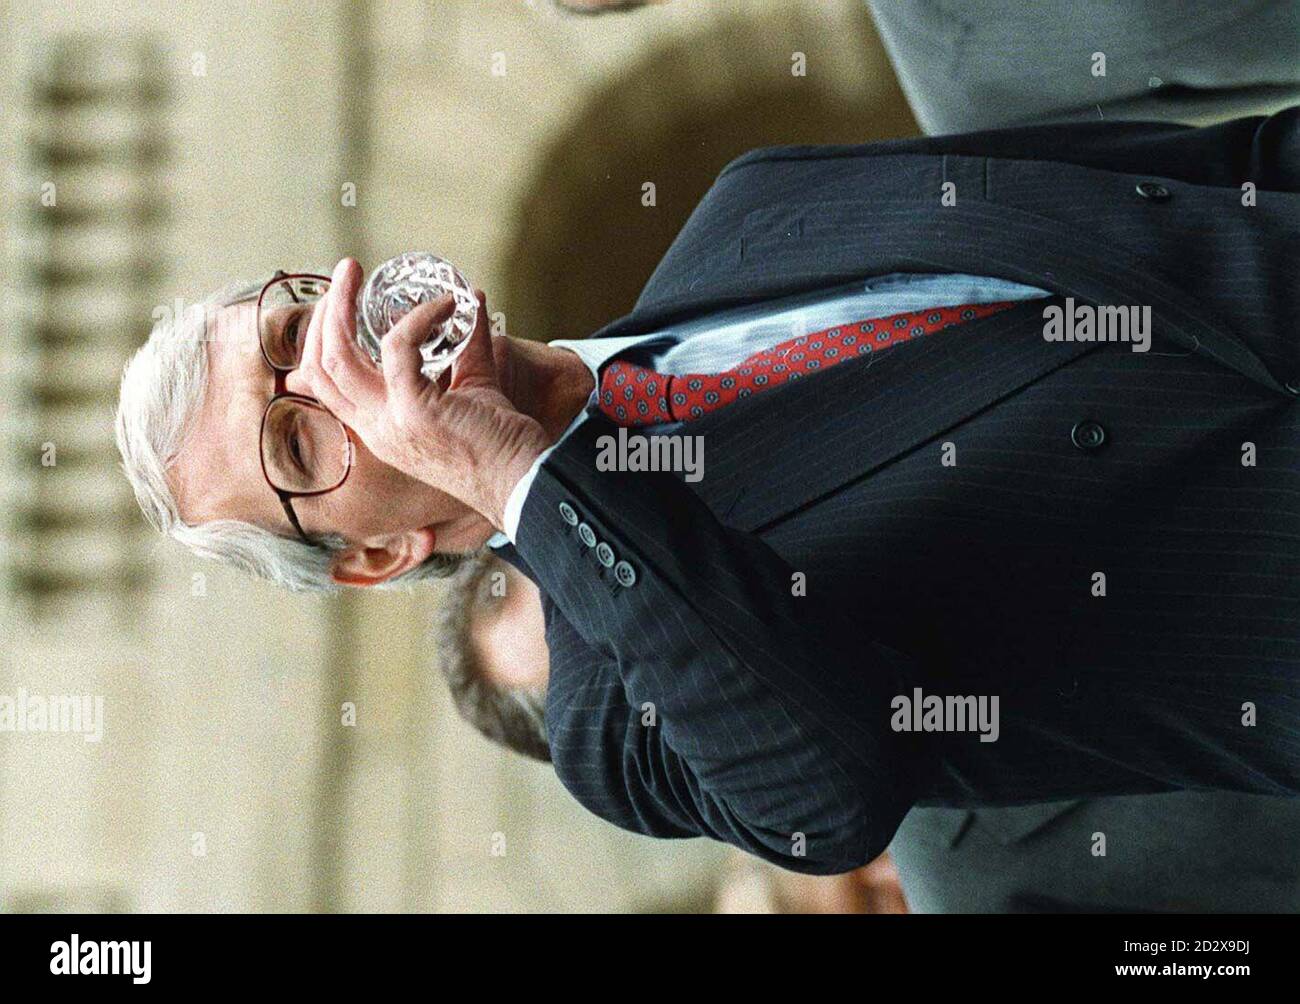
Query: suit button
{"x": 605, "y": 554}
{"x": 1088, "y": 435}
{"x": 1293, "y": 386}
{"x": 587, "y": 535}
{"x": 569, "y": 514}
{"x": 1153, "y": 190}
{"x": 625, "y": 574}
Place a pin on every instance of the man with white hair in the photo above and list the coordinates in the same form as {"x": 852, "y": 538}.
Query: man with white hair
{"x": 915, "y": 491}
{"x": 164, "y": 392}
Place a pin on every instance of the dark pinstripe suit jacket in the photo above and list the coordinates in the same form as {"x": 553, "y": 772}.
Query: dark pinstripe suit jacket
{"x": 706, "y": 698}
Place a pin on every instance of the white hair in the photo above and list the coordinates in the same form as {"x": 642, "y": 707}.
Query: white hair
{"x": 163, "y": 387}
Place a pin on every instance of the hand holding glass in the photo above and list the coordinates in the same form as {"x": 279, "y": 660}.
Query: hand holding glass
{"x": 305, "y": 449}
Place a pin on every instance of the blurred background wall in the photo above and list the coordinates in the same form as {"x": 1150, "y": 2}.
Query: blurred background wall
{"x": 153, "y": 152}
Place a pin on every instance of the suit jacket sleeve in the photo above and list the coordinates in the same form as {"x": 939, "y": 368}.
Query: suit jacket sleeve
{"x": 708, "y": 698}
{"x": 1260, "y": 149}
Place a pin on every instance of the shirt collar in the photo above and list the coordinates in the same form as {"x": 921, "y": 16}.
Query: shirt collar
{"x": 595, "y": 352}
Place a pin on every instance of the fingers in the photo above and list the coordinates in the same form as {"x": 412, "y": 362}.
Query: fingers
{"x": 400, "y": 349}
{"x": 476, "y": 366}
{"x": 336, "y": 369}
{"x": 310, "y": 370}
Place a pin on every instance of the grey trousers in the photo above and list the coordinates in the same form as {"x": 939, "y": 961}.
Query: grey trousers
{"x": 967, "y": 65}
{"x": 1182, "y": 852}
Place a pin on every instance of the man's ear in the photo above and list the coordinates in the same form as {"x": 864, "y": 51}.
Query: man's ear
{"x": 382, "y": 558}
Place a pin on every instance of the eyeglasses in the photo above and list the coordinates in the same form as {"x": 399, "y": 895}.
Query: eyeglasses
{"x": 306, "y": 451}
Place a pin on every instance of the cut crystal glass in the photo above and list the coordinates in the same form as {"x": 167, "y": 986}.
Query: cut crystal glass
{"x": 399, "y": 285}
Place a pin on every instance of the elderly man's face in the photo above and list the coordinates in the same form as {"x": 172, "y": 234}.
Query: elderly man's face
{"x": 390, "y": 521}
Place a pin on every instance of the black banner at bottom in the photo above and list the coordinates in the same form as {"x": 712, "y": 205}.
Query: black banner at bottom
{"x": 335, "y": 953}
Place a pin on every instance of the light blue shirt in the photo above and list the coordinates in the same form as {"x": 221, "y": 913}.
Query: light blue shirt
{"x": 719, "y": 341}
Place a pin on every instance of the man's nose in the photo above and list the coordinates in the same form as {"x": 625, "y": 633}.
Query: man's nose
{"x": 295, "y": 382}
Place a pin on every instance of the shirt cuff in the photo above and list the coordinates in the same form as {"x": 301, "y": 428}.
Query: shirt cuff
{"x": 518, "y": 495}
{"x": 514, "y": 510}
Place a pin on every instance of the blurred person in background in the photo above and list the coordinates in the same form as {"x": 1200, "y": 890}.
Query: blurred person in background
{"x": 752, "y": 886}
{"x": 489, "y": 643}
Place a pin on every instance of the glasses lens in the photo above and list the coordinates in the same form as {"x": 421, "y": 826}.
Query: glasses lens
{"x": 283, "y": 316}
{"x": 304, "y": 447}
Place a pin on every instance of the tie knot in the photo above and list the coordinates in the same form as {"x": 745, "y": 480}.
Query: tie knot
{"x": 634, "y": 395}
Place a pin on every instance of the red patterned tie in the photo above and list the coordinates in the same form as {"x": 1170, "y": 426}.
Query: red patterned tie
{"x": 634, "y": 395}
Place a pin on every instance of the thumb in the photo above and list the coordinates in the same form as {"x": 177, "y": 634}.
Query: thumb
{"x": 400, "y": 348}
{"x": 476, "y": 366}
